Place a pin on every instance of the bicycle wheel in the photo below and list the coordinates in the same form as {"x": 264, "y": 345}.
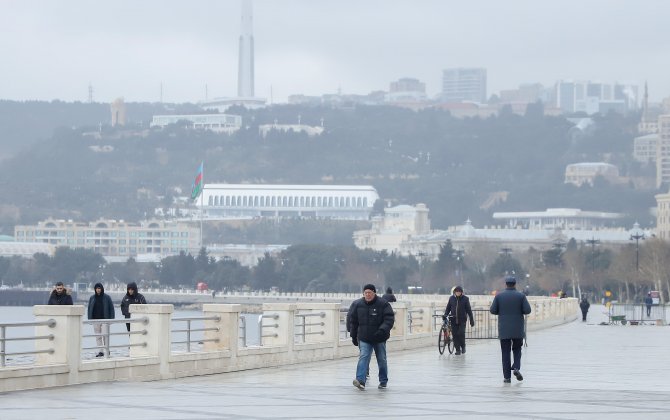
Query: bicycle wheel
{"x": 442, "y": 340}
{"x": 450, "y": 342}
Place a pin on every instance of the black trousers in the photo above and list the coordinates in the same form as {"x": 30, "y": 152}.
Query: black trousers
{"x": 513, "y": 345}
{"x": 458, "y": 330}
{"x": 584, "y": 312}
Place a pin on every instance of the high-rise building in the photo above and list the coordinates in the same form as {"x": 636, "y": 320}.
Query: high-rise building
{"x": 118, "y": 109}
{"x": 245, "y": 75}
{"x": 245, "y": 67}
{"x": 464, "y": 84}
{"x": 663, "y": 151}
{"x": 594, "y": 97}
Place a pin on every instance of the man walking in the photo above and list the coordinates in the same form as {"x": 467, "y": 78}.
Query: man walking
{"x": 458, "y": 308}
{"x": 132, "y": 297}
{"x": 59, "y": 295}
{"x": 100, "y": 306}
{"x": 648, "y": 301}
{"x": 510, "y": 306}
{"x": 584, "y": 305}
{"x": 371, "y": 321}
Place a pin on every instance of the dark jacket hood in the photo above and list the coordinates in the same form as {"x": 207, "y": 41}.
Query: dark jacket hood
{"x": 100, "y": 286}
{"x": 132, "y": 286}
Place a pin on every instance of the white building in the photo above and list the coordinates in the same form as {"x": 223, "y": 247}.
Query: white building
{"x": 221, "y": 123}
{"x": 115, "y": 238}
{"x": 644, "y": 148}
{"x": 427, "y": 243}
{"x": 9, "y": 247}
{"x": 586, "y": 172}
{"x": 311, "y": 131}
{"x": 663, "y": 151}
{"x": 246, "y": 201}
{"x": 558, "y": 218}
{"x": 396, "y": 226}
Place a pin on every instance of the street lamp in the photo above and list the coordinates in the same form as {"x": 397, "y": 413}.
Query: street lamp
{"x": 459, "y": 254}
{"x": 636, "y": 235}
{"x": 593, "y": 242}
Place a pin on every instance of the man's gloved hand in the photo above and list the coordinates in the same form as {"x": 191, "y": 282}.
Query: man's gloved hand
{"x": 444, "y": 317}
{"x": 472, "y": 323}
{"x": 380, "y": 336}
{"x": 354, "y": 340}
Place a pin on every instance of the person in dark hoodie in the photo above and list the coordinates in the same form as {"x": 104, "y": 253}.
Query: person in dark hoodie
{"x": 389, "y": 296}
{"x": 370, "y": 322}
{"x": 458, "y": 308}
{"x": 60, "y": 295}
{"x": 100, "y": 306}
{"x": 132, "y": 297}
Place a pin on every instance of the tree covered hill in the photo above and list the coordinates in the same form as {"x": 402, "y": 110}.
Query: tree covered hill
{"x": 453, "y": 165}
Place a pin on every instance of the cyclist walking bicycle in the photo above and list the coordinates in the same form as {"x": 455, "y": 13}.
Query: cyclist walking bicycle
{"x": 458, "y": 309}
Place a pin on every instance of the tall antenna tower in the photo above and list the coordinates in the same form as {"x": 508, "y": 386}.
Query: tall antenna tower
{"x": 90, "y": 93}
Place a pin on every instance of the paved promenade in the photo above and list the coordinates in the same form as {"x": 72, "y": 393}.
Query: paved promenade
{"x": 575, "y": 371}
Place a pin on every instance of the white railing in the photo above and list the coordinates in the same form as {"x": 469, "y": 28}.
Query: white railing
{"x": 288, "y": 333}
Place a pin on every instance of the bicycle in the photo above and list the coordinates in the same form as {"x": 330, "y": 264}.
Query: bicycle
{"x": 445, "y": 338}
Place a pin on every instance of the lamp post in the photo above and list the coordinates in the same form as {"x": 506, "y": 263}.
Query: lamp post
{"x": 636, "y": 235}
{"x": 593, "y": 242}
{"x": 459, "y": 254}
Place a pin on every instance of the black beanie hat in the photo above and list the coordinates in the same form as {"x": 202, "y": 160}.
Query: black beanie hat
{"x": 370, "y": 287}
{"x": 458, "y": 289}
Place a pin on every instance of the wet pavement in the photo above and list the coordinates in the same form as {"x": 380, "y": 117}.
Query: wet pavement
{"x": 574, "y": 371}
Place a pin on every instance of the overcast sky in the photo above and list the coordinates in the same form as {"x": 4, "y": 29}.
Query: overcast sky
{"x": 53, "y": 49}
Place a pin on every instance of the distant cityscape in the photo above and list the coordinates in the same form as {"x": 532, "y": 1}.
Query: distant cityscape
{"x": 404, "y": 229}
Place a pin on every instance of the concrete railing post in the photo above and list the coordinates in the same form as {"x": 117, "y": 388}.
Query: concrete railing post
{"x": 67, "y": 336}
{"x": 330, "y": 330}
{"x": 159, "y": 335}
{"x": 228, "y": 333}
{"x": 400, "y": 325}
{"x": 284, "y": 332}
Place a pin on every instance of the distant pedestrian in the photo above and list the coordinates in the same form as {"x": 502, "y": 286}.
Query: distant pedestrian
{"x": 132, "y": 297}
{"x": 458, "y": 308}
{"x": 584, "y": 305}
{"x": 370, "y": 322}
{"x": 648, "y": 301}
{"x": 100, "y": 306}
{"x": 60, "y": 295}
{"x": 510, "y": 306}
{"x": 389, "y": 296}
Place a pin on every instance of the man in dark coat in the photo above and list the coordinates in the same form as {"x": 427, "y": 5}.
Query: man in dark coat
{"x": 60, "y": 295}
{"x": 132, "y": 297}
{"x": 100, "y": 306}
{"x": 458, "y": 308}
{"x": 389, "y": 296}
{"x": 648, "y": 301}
{"x": 584, "y": 305}
{"x": 370, "y": 322}
{"x": 511, "y": 306}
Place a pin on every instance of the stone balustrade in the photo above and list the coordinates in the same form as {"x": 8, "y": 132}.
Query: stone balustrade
{"x": 292, "y": 333}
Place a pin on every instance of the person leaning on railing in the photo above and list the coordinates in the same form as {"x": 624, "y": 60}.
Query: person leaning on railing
{"x": 100, "y": 306}
{"x": 132, "y": 297}
{"x": 60, "y": 295}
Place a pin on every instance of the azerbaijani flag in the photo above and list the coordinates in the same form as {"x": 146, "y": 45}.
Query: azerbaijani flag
{"x": 196, "y": 188}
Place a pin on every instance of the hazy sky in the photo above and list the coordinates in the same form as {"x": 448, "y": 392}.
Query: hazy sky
{"x": 53, "y": 49}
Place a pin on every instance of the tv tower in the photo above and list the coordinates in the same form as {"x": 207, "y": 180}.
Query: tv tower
{"x": 245, "y": 75}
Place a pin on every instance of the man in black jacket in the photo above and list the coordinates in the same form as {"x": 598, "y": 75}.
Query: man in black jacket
{"x": 511, "y": 306}
{"x": 100, "y": 306}
{"x": 132, "y": 297}
{"x": 458, "y": 308}
{"x": 60, "y": 295}
{"x": 371, "y": 321}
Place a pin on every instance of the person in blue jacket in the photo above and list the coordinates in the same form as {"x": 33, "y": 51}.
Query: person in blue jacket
{"x": 511, "y": 306}
{"x": 100, "y": 306}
